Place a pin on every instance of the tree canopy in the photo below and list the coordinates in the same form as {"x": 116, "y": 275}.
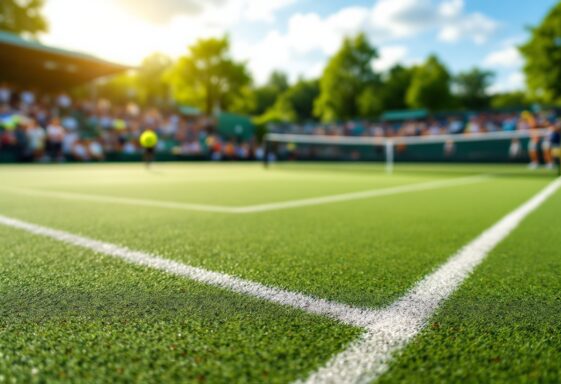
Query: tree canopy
{"x": 543, "y": 58}
{"x": 430, "y": 86}
{"x": 208, "y": 77}
{"x": 22, "y": 17}
{"x": 150, "y": 75}
{"x": 296, "y": 104}
{"x": 348, "y": 75}
{"x": 395, "y": 86}
{"x": 267, "y": 95}
{"x": 472, "y": 88}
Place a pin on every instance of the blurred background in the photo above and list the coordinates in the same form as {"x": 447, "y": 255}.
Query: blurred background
{"x": 81, "y": 80}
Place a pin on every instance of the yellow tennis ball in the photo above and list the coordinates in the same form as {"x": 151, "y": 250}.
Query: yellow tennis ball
{"x": 149, "y": 139}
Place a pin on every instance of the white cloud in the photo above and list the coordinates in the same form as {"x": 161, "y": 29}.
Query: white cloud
{"x": 313, "y": 34}
{"x": 128, "y": 30}
{"x": 387, "y": 20}
{"x": 390, "y": 56}
{"x": 452, "y": 8}
{"x": 163, "y": 11}
{"x": 508, "y": 57}
{"x": 264, "y": 10}
{"x": 507, "y": 61}
{"x": 401, "y": 18}
{"x": 514, "y": 81}
{"x": 457, "y": 25}
{"x": 273, "y": 52}
{"x": 476, "y": 27}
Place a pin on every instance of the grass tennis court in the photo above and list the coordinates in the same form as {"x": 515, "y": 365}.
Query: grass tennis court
{"x": 341, "y": 236}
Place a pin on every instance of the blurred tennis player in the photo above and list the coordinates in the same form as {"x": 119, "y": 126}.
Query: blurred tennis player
{"x": 148, "y": 141}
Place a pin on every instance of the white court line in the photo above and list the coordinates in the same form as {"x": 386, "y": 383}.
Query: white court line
{"x": 259, "y": 207}
{"x": 344, "y": 313}
{"x": 386, "y": 331}
{"x": 364, "y": 194}
{"x": 119, "y": 200}
{"x": 394, "y": 327}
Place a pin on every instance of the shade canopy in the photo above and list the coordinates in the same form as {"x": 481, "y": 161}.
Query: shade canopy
{"x": 235, "y": 126}
{"x": 29, "y": 63}
{"x": 409, "y": 114}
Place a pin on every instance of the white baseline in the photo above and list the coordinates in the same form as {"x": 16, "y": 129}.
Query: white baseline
{"x": 386, "y": 331}
{"x": 254, "y": 208}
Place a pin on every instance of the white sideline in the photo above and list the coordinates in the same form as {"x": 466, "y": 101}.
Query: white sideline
{"x": 386, "y": 331}
{"x": 344, "y": 313}
{"x": 259, "y": 207}
{"x": 394, "y": 327}
{"x": 119, "y": 200}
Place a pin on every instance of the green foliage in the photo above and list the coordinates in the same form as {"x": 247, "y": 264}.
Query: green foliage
{"x": 430, "y": 86}
{"x": 146, "y": 85}
{"x": 150, "y": 76}
{"x": 296, "y": 104}
{"x": 301, "y": 97}
{"x": 120, "y": 89}
{"x": 472, "y": 88}
{"x": 267, "y": 95}
{"x": 244, "y": 101}
{"x": 282, "y": 111}
{"x": 396, "y": 84}
{"x": 348, "y": 74}
{"x": 208, "y": 77}
{"x": 543, "y": 57}
{"x": 371, "y": 102}
{"x": 22, "y": 17}
{"x": 509, "y": 100}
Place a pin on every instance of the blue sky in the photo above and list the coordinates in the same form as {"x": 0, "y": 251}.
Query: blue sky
{"x": 297, "y": 36}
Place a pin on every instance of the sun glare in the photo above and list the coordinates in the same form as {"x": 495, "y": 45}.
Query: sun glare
{"x": 113, "y": 33}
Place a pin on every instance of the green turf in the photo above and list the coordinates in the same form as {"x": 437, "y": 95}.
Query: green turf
{"x": 504, "y": 325}
{"x": 365, "y": 252}
{"x": 54, "y": 298}
{"x": 70, "y": 315}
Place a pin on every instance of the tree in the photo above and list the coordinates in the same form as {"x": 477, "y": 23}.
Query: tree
{"x": 267, "y": 95}
{"x": 472, "y": 88}
{"x": 347, "y": 76}
{"x": 22, "y": 17}
{"x": 120, "y": 88}
{"x": 208, "y": 77}
{"x": 430, "y": 86}
{"x": 371, "y": 102}
{"x": 395, "y": 87}
{"x": 543, "y": 58}
{"x": 150, "y": 77}
{"x": 511, "y": 100}
{"x": 301, "y": 97}
{"x": 296, "y": 104}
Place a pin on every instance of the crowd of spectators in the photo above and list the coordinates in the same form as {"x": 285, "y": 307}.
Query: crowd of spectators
{"x": 447, "y": 124}
{"x": 540, "y": 148}
{"x": 54, "y": 127}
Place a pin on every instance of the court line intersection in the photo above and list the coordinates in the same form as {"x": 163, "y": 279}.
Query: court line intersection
{"x": 258, "y": 208}
{"x": 386, "y": 330}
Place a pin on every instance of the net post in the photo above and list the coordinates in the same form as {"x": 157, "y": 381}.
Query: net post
{"x": 266, "y": 151}
{"x": 389, "y": 156}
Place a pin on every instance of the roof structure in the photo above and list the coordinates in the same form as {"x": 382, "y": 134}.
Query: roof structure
{"x": 28, "y": 62}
